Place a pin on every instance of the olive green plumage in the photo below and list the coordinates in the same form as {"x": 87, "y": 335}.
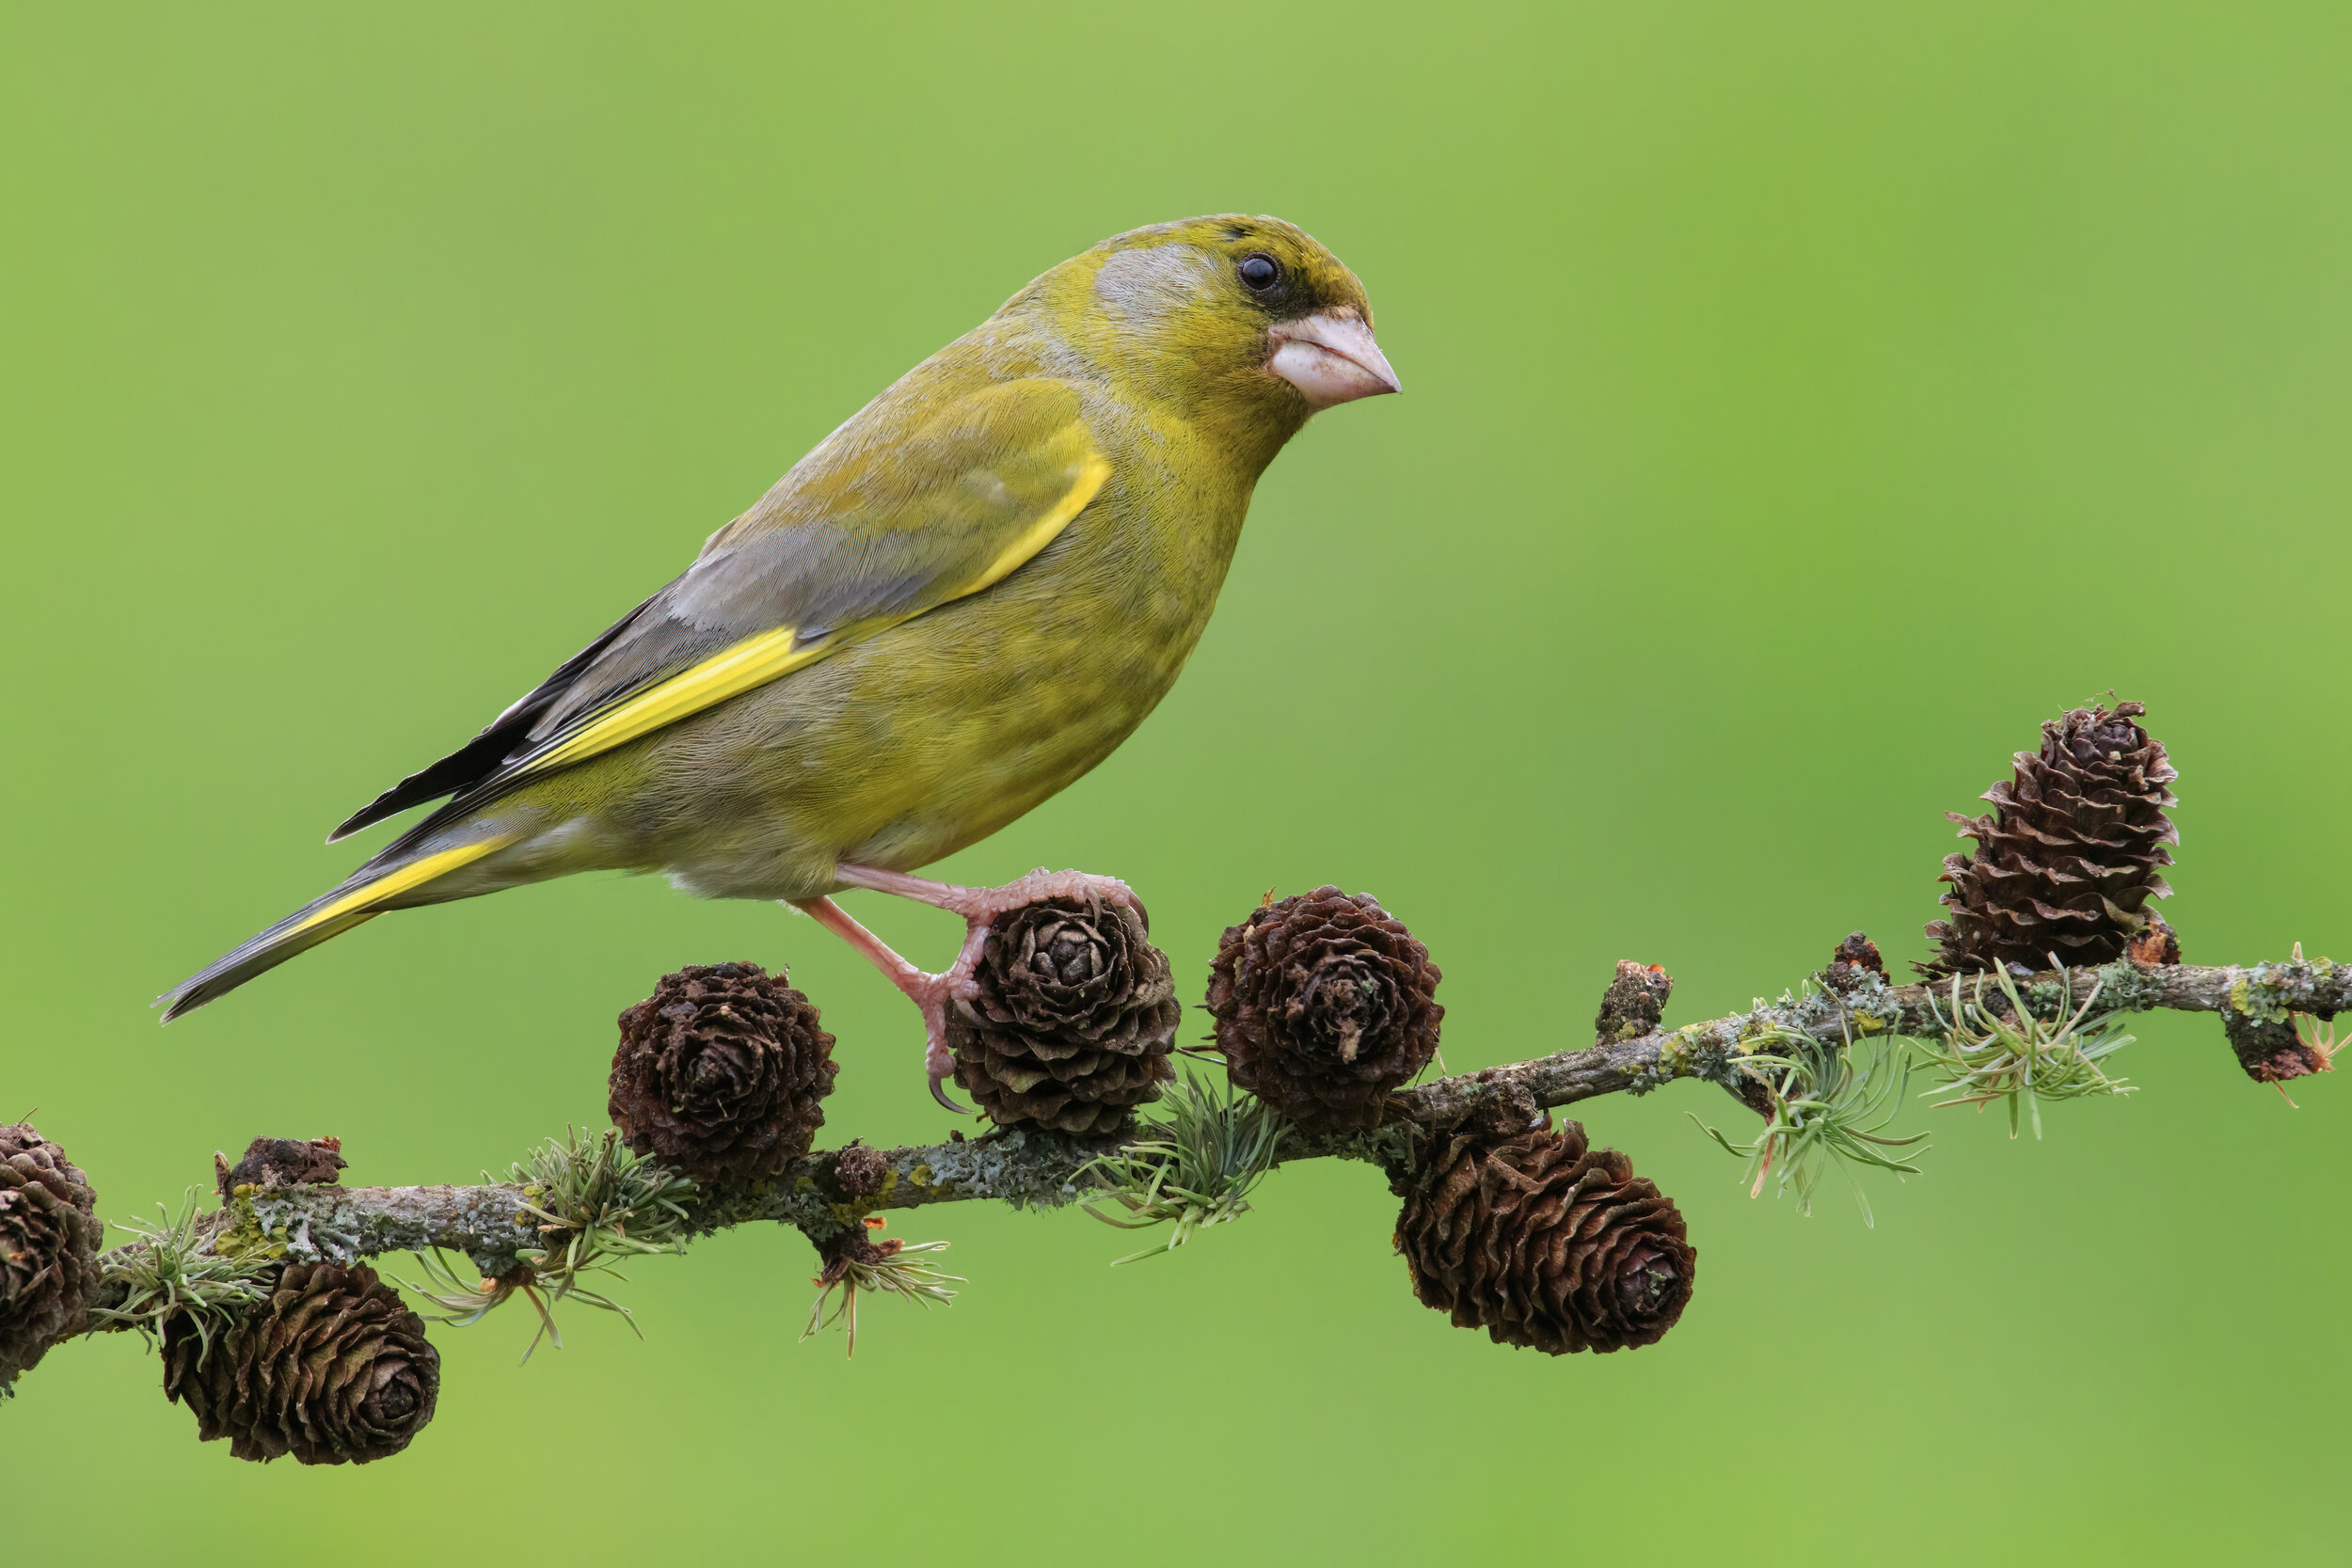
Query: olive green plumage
{"x": 955, "y": 605}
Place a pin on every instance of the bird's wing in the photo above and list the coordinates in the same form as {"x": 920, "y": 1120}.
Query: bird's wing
{"x": 874, "y": 528}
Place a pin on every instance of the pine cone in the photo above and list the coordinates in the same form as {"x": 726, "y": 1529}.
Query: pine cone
{"x": 49, "y": 1241}
{"x": 1324, "y": 1005}
{"x": 1852, "y": 964}
{"x": 332, "y": 1369}
{"x": 280, "y": 1162}
{"x": 722, "y": 1072}
{"x": 1074, "y": 1019}
{"x": 1543, "y": 1242}
{"x": 2068, "y": 860}
{"x": 1635, "y": 1003}
{"x": 862, "y": 1171}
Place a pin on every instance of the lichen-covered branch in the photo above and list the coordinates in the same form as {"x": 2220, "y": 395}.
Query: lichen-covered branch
{"x": 2261, "y": 1000}
{"x": 492, "y": 1224}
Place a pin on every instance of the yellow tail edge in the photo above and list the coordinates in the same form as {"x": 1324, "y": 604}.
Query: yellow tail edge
{"x": 323, "y": 920}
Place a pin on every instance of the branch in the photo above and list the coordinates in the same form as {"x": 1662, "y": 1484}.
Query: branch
{"x": 2259, "y": 1002}
{"x": 489, "y": 1225}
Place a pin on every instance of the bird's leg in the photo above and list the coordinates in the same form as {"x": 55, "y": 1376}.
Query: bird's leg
{"x": 980, "y": 907}
{"x": 980, "y": 904}
{"x": 930, "y": 992}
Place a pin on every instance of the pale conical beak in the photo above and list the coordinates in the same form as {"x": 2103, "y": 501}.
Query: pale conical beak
{"x": 1330, "y": 357}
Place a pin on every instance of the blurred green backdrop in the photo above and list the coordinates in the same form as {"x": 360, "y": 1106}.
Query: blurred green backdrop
{"x": 1803, "y": 402}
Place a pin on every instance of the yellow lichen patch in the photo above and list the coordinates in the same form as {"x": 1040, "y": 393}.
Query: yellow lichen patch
{"x": 246, "y": 1237}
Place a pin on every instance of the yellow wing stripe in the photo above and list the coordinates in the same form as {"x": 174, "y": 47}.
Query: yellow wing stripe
{"x": 756, "y": 661}
{"x": 415, "y": 873}
{"x": 1092, "y": 470}
{"x": 753, "y": 662}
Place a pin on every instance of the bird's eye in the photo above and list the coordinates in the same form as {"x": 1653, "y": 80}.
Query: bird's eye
{"x": 1259, "y": 272}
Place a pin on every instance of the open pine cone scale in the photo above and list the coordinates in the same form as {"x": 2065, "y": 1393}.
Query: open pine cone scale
{"x": 1071, "y": 1020}
{"x": 2067, "y": 862}
{"x": 1544, "y": 1242}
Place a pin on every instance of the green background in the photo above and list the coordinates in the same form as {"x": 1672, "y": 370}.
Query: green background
{"x": 1803, "y": 402}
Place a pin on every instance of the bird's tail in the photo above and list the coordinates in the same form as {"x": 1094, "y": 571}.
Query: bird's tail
{"x": 372, "y": 890}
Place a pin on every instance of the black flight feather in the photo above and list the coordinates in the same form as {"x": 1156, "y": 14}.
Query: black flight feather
{"x": 488, "y": 751}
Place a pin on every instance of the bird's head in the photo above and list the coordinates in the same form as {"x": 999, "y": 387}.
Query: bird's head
{"x": 1242, "y": 319}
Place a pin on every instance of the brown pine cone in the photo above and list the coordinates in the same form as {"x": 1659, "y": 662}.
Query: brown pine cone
{"x": 1852, "y": 964}
{"x": 332, "y": 1369}
{"x": 2067, "y": 863}
{"x": 1543, "y": 1242}
{"x": 282, "y": 1163}
{"x": 1635, "y": 1003}
{"x": 862, "y": 1171}
{"x": 49, "y": 1242}
{"x": 721, "y": 1074}
{"x": 1325, "y": 1005}
{"x": 1074, "y": 1019}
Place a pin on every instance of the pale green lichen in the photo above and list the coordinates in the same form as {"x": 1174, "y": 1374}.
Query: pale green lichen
{"x": 247, "y": 1234}
{"x": 2271, "y": 991}
{"x": 2128, "y": 988}
{"x": 1390, "y": 1147}
{"x": 1025, "y": 1169}
{"x": 2275, "y": 993}
{"x": 1715, "y": 1050}
{"x": 1707, "y": 1051}
{"x": 315, "y": 1223}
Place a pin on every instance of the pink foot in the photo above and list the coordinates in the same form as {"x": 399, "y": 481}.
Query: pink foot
{"x": 980, "y": 904}
{"x": 930, "y": 992}
{"x": 980, "y": 907}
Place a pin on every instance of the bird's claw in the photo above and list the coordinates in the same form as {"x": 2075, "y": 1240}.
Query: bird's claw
{"x": 939, "y": 1062}
{"x": 941, "y": 1095}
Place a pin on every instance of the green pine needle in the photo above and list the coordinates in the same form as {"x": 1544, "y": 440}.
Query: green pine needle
{"x": 905, "y": 1272}
{"x": 2019, "y": 1058}
{"x": 594, "y": 1201}
{"x": 170, "y": 1272}
{"x": 1830, "y": 1106}
{"x": 1194, "y": 1170}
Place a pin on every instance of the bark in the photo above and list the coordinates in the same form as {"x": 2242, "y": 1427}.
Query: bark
{"x": 1037, "y": 1169}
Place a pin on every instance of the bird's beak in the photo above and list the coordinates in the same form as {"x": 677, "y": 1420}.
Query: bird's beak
{"x": 1330, "y": 357}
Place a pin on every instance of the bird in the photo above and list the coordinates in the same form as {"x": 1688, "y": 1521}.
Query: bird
{"x": 955, "y": 605}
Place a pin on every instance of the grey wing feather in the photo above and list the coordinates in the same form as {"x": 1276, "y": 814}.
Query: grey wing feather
{"x": 878, "y": 546}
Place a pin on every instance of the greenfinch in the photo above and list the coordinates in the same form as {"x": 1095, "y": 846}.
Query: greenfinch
{"x": 953, "y": 607}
